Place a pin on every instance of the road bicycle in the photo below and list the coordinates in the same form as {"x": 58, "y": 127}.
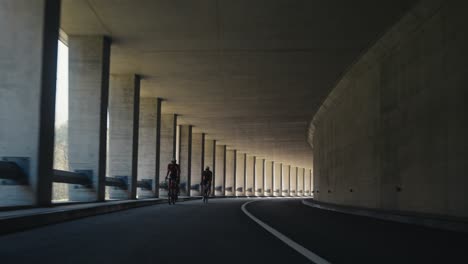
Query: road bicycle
{"x": 206, "y": 192}
{"x": 172, "y": 191}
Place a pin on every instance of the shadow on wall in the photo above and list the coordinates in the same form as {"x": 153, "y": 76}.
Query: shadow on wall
{"x": 392, "y": 133}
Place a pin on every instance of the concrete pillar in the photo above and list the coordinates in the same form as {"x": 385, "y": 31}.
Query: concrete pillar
{"x": 220, "y": 170}
{"x": 28, "y": 68}
{"x": 150, "y": 117}
{"x": 210, "y": 161}
{"x": 250, "y": 175}
{"x": 185, "y": 159}
{"x": 124, "y": 109}
{"x": 89, "y": 58}
{"x": 300, "y": 181}
{"x": 312, "y": 185}
{"x": 278, "y": 179}
{"x": 293, "y": 181}
{"x": 198, "y": 159}
{"x": 307, "y": 183}
{"x": 269, "y": 178}
{"x": 240, "y": 174}
{"x": 230, "y": 172}
{"x": 259, "y": 176}
{"x": 167, "y": 148}
{"x": 286, "y": 170}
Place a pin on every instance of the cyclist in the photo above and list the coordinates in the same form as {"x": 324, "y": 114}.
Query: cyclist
{"x": 173, "y": 174}
{"x": 207, "y": 176}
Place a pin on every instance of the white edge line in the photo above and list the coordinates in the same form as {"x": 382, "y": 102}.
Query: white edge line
{"x": 302, "y": 250}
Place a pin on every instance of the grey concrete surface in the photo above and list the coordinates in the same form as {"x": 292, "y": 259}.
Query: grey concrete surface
{"x": 121, "y": 118}
{"x": 292, "y": 181}
{"x": 230, "y": 172}
{"x": 392, "y": 135}
{"x": 86, "y": 60}
{"x": 167, "y": 148}
{"x": 286, "y": 173}
{"x": 220, "y": 169}
{"x": 147, "y": 144}
{"x": 300, "y": 181}
{"x": 210, "y": 160}
{"x": 308, "y": 182}
{"x": 269, "y": 180}
{"x": 278, "y": 174}
{"x": 240, "y": 174}
{"x": 198, "y": 153}
{"x": 249, "y": 175}
{"x": 259, "y": 176}
{"x": 20, "y": 91}
{"x": 185, "y": 158}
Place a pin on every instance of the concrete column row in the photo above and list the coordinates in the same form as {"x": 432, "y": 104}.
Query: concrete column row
{"x": 112, "y": 131}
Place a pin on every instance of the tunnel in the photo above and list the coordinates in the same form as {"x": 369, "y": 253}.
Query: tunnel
{"x": 233, "y": 131}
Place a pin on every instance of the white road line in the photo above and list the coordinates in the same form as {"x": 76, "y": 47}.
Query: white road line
{"x": 302, "y": 250}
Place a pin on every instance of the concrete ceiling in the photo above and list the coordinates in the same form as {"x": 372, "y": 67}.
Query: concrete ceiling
{"x": 249, "y": 73}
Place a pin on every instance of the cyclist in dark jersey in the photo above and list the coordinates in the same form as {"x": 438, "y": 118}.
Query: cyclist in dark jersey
{"x": 207, "y": 177}
{"x": 173, "y": 173}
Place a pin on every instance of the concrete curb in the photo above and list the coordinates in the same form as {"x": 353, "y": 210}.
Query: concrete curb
{"x": 449, "y": 224}
{"x": 20, "y": 222}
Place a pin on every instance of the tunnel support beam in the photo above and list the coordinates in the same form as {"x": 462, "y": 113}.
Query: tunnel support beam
{"x": 167, "y": 146}
{"x": 307, "y": 184}
{"x": 124, "y": 109}
{"x": 210, "y": 161}
{"x": 28, "y": 60}
{"x": 259, "y": 176}
{"x": 220, "y": 170}
{"x": 240, "y": 175}
{"x": 286, "y": 169}
{"x": 148, "y": 147}
{"x": 89, "y": 59}
{"x": 269, "y": 181}
{"x": 250, "y": 175}
{"x": 230, "y": 183}
{"x": 198, "y": 159}
{"x": 185, "y": 159}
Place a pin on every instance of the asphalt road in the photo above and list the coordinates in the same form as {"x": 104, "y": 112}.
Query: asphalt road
{"x": 220, "y": 232}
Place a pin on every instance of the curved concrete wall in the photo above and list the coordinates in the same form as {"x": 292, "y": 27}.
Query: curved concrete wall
{"x": 392, "y": 133}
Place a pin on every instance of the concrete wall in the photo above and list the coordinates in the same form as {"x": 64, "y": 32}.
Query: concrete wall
{"x": 230, "y": 172}
{"x": 240, "y": 174}
{"x": 220, "y": 169}
{"x": 147, "y": 144}
{"x": 392, "y": 134}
